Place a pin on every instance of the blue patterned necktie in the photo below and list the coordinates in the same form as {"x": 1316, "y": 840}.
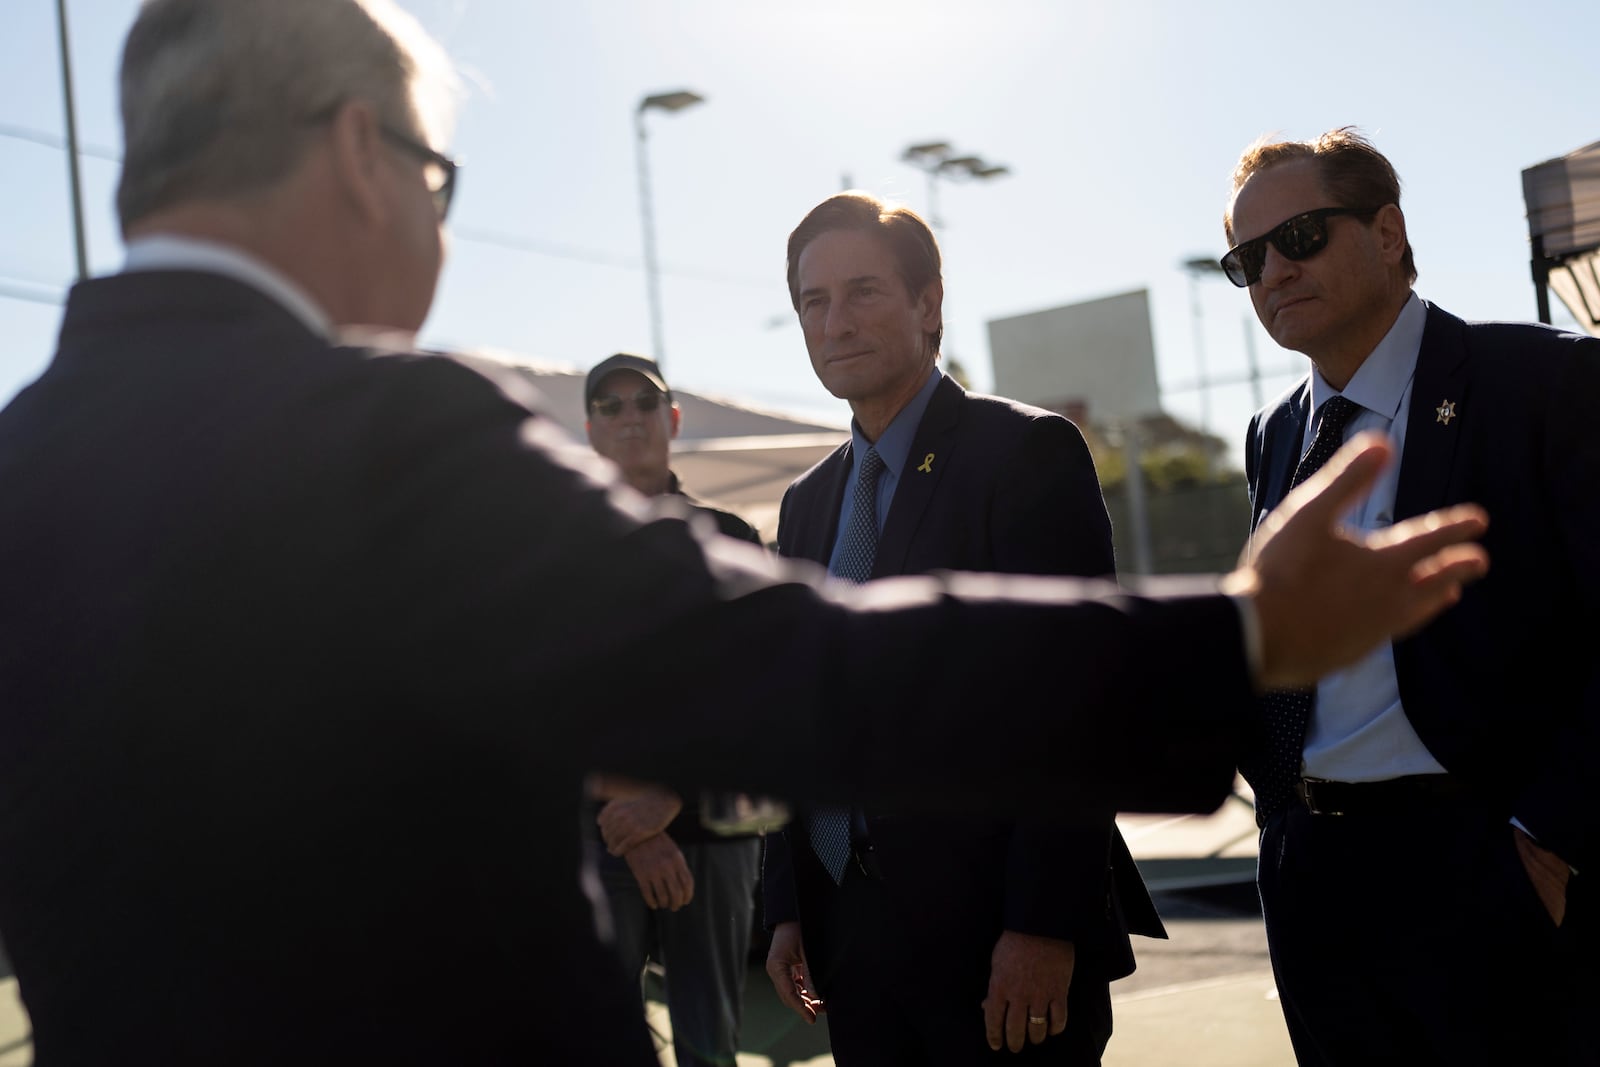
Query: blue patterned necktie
{"x": 1287, "y": 712}
{"x": 829, "y": 827}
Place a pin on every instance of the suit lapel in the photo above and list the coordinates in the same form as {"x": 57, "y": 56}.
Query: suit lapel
{"x": 931, "y": 451}
{"x": 822, "y": 516}
{"x": 1280, "y": 449}
{"x": 1433, "y": 426}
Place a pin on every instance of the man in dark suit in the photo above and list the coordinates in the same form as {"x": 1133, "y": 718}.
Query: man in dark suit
{"x": 303, "y": 637}
{"x": 1028, "y": 917}
{"x": 1426, "y": 813}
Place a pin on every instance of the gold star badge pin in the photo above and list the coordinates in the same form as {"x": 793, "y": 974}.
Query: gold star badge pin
{"x": 926, "y": 466}
{"x": 1445, "y": 412}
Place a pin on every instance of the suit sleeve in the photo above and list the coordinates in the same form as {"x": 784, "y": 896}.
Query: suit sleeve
{"x": 493, "y": 529}
{"x": 1049, "y": 517}
{"x": 779, "y": 901}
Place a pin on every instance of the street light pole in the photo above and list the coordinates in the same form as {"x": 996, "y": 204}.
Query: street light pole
{"x": 1199, "y": 348}
{"x": 1250, "y": 361}
{"x": 676, "y": 100}
{"x": 937, "y": 159}
{"x": 929, "y": 158}
{"x": 1203, "y": 265}
{"x": 1195, "y": 267}
{"x": 72, "y": 145}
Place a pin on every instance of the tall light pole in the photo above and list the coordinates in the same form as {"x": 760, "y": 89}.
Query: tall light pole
{"x": 1250, "y": 360}
{"x": 72, "y": 144}
{"x": 938, "y": 160}
{"x": 1195, "y": 267}
{"x": 676, "y": 100}
{"x": 1202, "y": 265}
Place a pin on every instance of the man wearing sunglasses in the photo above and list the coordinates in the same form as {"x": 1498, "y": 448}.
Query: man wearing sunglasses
{"x": 1427, "y": 814}
{"x": 680, "y": 893}
{"x": 302, "y": 642}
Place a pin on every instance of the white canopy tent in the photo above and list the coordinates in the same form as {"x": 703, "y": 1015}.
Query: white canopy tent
{"x": 727, "y": 453}
{"x": 1563, "y": 200}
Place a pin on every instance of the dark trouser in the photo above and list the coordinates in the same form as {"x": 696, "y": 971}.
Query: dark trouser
{"x": 914, "y": 998}
{"x": 1415, "y": 936}
{"x": 703, "y": 947}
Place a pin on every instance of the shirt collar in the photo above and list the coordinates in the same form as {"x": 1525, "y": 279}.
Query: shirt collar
{"x": 170, "y": 252}
{"x": 894, "y": 444}
{"x": 1379, "y": 384}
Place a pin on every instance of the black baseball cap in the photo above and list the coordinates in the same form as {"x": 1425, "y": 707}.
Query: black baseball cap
{"x": 623, "y": 361}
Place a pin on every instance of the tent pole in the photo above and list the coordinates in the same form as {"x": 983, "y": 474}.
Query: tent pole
{"x": 1541, "y": 280}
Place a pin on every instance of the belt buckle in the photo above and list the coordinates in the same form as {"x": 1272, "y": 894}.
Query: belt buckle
{"x": 1306, "y": 788}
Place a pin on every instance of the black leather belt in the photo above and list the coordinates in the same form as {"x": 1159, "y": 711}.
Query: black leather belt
{"x": 1324, "y": 797}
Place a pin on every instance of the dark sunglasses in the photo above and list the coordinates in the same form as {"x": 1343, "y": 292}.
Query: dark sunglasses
{"x": 439, "y": 172}
{"x": 1298, "y": 238}
{"x": 609, "y": 407}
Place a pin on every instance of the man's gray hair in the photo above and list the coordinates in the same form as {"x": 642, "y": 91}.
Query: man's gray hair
{"x": 219, "y": 97}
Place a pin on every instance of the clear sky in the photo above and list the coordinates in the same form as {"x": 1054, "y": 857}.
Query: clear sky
{"x": 1120, "y": 122}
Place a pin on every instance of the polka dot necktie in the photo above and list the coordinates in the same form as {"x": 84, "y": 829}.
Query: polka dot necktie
{"x": 829, "y": 827}
{"x": 1287, "y": 712}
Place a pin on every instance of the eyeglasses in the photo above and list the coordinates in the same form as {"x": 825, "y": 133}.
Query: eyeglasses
{"x": 1298, "y": 238}
{"x": 439, "y": 173}
{"x": 609, "y": 407}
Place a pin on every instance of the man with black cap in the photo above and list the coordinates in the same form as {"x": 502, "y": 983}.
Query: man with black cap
{"x": 680, "y": 894}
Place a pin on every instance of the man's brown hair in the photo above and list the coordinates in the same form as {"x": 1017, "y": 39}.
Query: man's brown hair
{"x": 1352, "y": 171}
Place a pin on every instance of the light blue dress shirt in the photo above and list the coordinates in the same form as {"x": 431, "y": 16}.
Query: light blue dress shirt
{"x": 1359, "y": 732}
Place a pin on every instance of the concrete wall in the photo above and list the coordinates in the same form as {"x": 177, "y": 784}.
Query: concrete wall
{"x": 1097, "y": 357}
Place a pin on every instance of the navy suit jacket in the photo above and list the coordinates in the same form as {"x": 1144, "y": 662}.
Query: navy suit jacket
{"x": 302, "y": 650}
{"x": 1504, "y": 688}
{"x": 1007, "y": 488}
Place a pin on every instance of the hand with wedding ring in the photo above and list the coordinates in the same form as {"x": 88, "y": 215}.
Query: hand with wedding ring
{"x": 1029, "y": 976}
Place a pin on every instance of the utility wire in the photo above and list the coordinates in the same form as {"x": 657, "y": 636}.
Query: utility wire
{"x": 470, "y": 234}
{"x": 12, "y": 292}
{"x": 54, "y": 140}
{"x": 475, "y": 235}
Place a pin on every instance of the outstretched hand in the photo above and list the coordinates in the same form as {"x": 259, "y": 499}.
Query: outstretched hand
{"x": 1327, "y": 594}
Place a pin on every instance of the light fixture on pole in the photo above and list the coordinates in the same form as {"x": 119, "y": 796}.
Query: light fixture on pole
{"x": 938, "y": 160}
{"x": 676, "y": 100}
